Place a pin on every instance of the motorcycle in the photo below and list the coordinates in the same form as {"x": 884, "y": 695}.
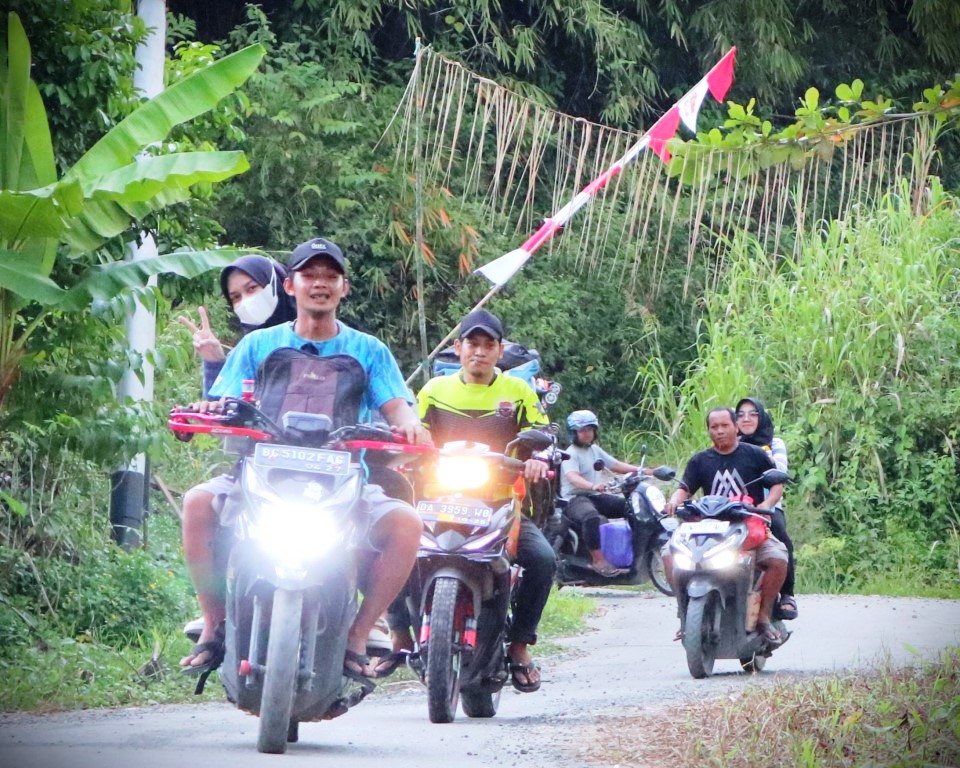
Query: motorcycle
{"x": 459, "y": 593}
{"x": 649, "y": 529}
{"x": 718, "y": 581}
{"x": 291, "y": 592}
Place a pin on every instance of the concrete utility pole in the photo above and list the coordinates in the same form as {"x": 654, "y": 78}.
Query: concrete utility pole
{"x": 128, "y": 495}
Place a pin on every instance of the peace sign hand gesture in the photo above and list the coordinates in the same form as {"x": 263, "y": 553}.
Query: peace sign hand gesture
{"x": 207, "y": 345}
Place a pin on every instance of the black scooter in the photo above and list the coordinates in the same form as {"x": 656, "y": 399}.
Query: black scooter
{"x": 649, "y": 530}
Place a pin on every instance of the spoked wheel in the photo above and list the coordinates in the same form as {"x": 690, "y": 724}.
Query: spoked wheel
{"x": 479, "y": 703}
{"x": 658, "y": 574}
{"x": 283, "y": 660}
{"x": 701, "y": 634}
{"x": 443, "y": 652}
{"x": 753, "y": 663}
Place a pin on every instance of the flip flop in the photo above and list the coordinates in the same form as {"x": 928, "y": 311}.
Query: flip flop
{"x": 788, "y": 608}
{"x": 608, "y": 571}
{"x": 388, "y": 664}
{"x": 769, "y": 632}
{"x": 354, "y": 665}
{"x": 526, "y": 670}
{"x": 215, "y": 648}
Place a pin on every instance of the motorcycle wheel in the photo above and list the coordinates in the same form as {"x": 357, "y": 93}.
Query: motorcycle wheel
{"x": 754, "y": 663}
{"x": 658, "y": 574}
{"x": 701, "y": 634}
{"x": 479, "y": 703}
{"x": 283, "y": 660}
{"x": 443, "y": 654}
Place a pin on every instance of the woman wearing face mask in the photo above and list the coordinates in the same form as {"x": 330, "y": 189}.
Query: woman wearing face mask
{"x": 252, "y": 287}
{"x": 756, "y": 427}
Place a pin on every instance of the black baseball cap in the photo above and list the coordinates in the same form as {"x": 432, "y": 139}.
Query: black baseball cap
{"x": 481, "y": 320}
{"x": 314, "y": 248}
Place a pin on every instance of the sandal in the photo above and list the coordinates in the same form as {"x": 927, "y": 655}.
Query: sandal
{"x": 607, "y": 570}
{"x": 216, "y": 649}
{"x": 788, "y": 608}
{"x": 387, "y": 665}
{"x": 355, "y": 665}
{"x": 769, "y": 633}
{"x": 529, "y": 685}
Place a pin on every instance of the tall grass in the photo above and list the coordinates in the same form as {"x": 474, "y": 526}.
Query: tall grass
{"x": 854, "y": 347}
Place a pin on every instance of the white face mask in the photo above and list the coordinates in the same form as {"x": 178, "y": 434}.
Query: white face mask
{"x": 257, "y": 309}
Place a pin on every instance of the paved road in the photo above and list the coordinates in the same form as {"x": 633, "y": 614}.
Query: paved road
{"x": 627, "y": 661}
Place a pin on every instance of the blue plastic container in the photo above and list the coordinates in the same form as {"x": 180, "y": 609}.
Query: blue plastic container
{"x": 616, "y": 543}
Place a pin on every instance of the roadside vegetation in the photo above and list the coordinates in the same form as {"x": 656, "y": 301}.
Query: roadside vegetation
{"x": 908, "y": 717}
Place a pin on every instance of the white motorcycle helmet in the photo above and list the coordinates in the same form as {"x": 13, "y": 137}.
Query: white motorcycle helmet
{"x": 579, "y": 420}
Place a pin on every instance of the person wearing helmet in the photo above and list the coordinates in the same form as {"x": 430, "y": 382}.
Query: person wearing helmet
{"x": 583, "y": 486}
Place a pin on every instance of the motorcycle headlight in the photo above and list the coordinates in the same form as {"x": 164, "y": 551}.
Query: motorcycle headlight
{"x": 655, "y": 497}
{"x": 722, "y": 556}
{"x": 292, "y": 534}
{"x": 718, "y": 560}
{"x": 460, "y": 473}
{"x": 683, "y": 562}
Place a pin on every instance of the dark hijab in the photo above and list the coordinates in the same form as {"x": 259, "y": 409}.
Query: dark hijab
{"x": 260, "y": 269}
{"x": 764, "y": 433}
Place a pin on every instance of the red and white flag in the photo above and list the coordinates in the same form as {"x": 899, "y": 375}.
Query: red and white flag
{"x": 717, "y": 81}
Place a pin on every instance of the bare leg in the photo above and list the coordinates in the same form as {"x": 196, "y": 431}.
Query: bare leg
{"x": 396, "y": 537}
{"x": 774, "y": 572}
{"x": 199, "y": 535}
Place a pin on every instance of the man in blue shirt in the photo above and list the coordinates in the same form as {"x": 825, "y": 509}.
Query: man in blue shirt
{"x": 317, "y": 280}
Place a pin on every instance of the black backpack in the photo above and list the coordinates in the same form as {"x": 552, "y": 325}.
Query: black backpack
{"x": 299, "y": 380}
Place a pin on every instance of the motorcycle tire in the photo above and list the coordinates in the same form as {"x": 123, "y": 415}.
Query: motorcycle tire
{"x": 479, "y": 703}
{"x": 658, "y": 574}
{"x": 280, "y": 675}
{"x": 701, "y": 634}
{"x": 443, "y": 652}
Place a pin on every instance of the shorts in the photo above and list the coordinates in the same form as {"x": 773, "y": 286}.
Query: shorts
{"x": 219, "y": 487}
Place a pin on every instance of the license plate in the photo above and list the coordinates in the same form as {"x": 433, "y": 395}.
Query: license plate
{"x": 705, "y": 526}
{"x": 463, "y": 513}
{"x": 315, "y": 460}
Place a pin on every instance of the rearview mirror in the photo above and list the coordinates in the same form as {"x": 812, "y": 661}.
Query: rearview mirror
{"x": 774, "y": 477}
{"x": 665, "y": 473}
{"x": 534, "y": 439}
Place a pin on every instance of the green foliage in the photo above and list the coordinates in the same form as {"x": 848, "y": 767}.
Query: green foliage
{"x": 52, "y": 227}
{"x": 854, "y": 345}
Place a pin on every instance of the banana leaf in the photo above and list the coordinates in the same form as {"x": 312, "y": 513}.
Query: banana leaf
{"x": 109, "y": 280}
{"x": 152, "y": 122}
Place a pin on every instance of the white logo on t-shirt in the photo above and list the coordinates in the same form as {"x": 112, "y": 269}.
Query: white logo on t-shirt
{"x": 727, "y": 483}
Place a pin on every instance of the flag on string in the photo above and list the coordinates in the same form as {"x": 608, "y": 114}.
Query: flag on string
{"x": 717, "y": 81}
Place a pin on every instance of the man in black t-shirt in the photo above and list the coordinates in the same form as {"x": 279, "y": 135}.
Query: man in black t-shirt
{"x": 732, "y": 468}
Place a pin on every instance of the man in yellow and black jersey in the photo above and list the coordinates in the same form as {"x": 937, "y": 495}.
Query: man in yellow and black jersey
{"x": 482, "y": 404}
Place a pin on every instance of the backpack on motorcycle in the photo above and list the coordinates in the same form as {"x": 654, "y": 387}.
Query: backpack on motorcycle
{"x": 616, "y": 543}
{"x": 296, "y": 380}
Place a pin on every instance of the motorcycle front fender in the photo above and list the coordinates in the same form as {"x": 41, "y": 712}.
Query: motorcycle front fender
{"x": 700, "y": 586}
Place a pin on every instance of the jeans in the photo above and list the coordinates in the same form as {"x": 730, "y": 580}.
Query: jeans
{"x": 539, "y": 563}
{"x": 778, "y": 526}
